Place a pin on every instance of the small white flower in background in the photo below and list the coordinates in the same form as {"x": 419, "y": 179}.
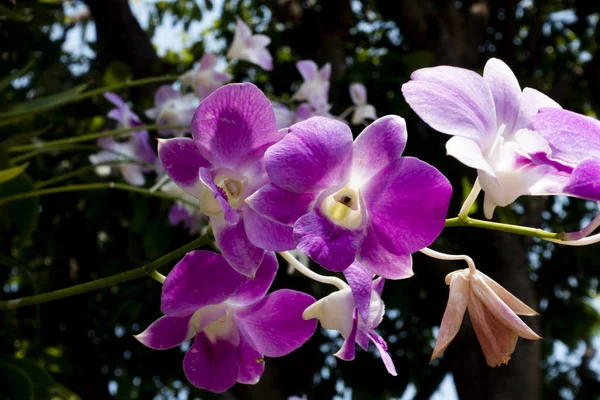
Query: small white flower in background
{"x": 172, "y": 108}
{"x": 363, "y": 110}
{"x": 249, "y": 47}
{"x": 315, "y": 88}
{"x": 204, "y": 79}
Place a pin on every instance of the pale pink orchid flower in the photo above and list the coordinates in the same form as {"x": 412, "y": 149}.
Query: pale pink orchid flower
{"x": 494, "y": 314}
{"x": 249, "y": 47}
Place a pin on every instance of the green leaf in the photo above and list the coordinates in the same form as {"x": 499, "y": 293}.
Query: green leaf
{"x": 14, "y": 383}
{"x": 43, "y": 103}
{"x": 10, "y": 173}
{"x": 6, "y": 81}
{"x": 23, "y": 137}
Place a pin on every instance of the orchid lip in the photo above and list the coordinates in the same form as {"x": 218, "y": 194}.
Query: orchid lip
{"x": 343, "y": 208}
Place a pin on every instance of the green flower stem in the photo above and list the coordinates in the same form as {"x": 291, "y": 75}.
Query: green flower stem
{"x": 31, "y": 154}
{"x": 90, "y": 186}
{"x": 90, "y": 136}
{"x": 76, "y": 172}
{"x": 147, "y": 270}
{"x": 124, "y": 85}
{"x": 496, "y": 226}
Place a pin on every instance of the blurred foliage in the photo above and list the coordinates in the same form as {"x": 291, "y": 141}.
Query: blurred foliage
{"x": 85, "y": 343}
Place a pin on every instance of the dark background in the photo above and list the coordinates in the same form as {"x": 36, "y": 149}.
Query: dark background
{"x": 84, "y": 345}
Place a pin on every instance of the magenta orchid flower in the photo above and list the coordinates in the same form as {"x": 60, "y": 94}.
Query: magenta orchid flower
{"x": 233, "y": 324}
{"x": 315, "y": 88}
{"x": 355, "y": 312}
{"x": 489, "y": 119}
{"x": 223, "y": 164}
{"x": 362, "y": 111}
{"x": 172, "y": 108}
{"x": 574, "y": 142}
{"x": 348, "y": 201}
{"x": 249, "y": 47}
{"x": 204, "y": 79}
{"x": 135, "y": 153}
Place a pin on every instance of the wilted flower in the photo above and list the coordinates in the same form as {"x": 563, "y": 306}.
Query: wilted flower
{"x": 204, "y": 79}
{"x": 233, "y": 323}
{"x": 362, "y": 111}
{"x": 315, "y": 88}
{"x": 223, "y": 164}
{"x": 355, "y": 312}
{"x": 249, "y": 47}
{"x": 574, "y": 141}
{"x": 493, "y": 312}
{"x": 348, "y": 201}
{"x": 172, "y": 108}
{"x": 489, "y": 118}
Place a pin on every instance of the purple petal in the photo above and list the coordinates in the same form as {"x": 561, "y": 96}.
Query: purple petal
{"x": 116, "y": 100}
{"x": 572, "y": 137}
{"x": 182, "y": 162}
{"x": 454, "y": 101}
{"x": 242, "y": 255}
{"x": 362, "y": 339}
{"x": 261, "y": 57}
{"x": 251, "y": 362}
{"x": 407, "y": 202}
{"x": 531, "y": 102}
{"x": 361, "y": 284}
{"x": 208, "y": 61}
{"x": 348, "y": 349}
{"x": 133, "y": 174}
{"x": 167, "y": 332}
{"x": 178, "y": 214}
{"x": 254, "y": 289}
{"x": 207, "y": 178}
{"x": 585, "y": 181}
{"x": 378, "y": 285}
{"x": 380, "y": 143}
{"x": 505, "y": 90}
{"x": 280, "y": 205}
{"x": 331, "y": 245}
{"x": 307, "y": 68}
{"x": 211, "y": 366}
{"x": 358, "y": 94}
{"x": 382, "y": 349}
{"x": 468, "y": 152}
{"x": 234, "y": 125}
{"x": 314, "y": 155}
{"x": 164, "y": 94}
{"x": 379, "y": 260}
{"x": 268, "y": 234}
{"x": 275, "y": 325}
{"x": 201, "y": 278}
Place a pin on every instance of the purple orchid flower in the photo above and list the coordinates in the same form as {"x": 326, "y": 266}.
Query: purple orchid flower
{"x": 348, "y": 201}
{"x": 574, "y": 142}
{"x": 286, "y": 117}
{"x": 233, "y": 323}
{"x": 182, "y": 213}
{"x": 315, "y": 88}
{"x": 489, "y": 119}
{"x": 172, "y": 108}
{"x": 363, "y": 111}
{"x": 223, "y": 164}
{"x": 249, "y": 47}
{"x": 355, "y": 312}
{"x": 133, "y": 150}
{"x": 204, "y": 79}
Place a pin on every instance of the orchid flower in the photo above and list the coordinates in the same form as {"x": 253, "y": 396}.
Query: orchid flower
{"x": 172, "y": 108}
{"x": 347, "y": 201}
{"x": 489, "y": 119}
{"x": 135, "y": 149}
{"x": 249, "y": 47}
{"x": 315, "y": 88}
{"x": 222, "y": 165}
{"x": 233, "y": 324}
{"x": 493, "y": 311}
{"x": 363, "y": 111}
{"x": 355, "y": 312}
{"x": 286, "y": 117}
{"x": 204, "y": 79}
{"x": 574, "y": 141}
{"x": 182, "y": 213}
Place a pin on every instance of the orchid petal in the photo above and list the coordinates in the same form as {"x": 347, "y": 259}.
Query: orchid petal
{"x": 358, "y": 94}
{"x": 348, "y": 349}
{"x": 280, "y": 205}
{"x": 307, "y": 68}
{"x": 468, "y": 152}
{"x": 508, "y": 298}
{"x": 361, "y": 284}
{"x": 251, "y": 362}
{"x": 182, "y": 162}
{"x": 373, "y": 256}
{"x": 382, "y": 349}
{"x": 505, "y": 90}
{"x": 207, "y": 178}
{"x": 266, "y": 233}
{"x": 167, "y": 332}
{"x": 255, "y": 289}
{"x": 240, "y": 253}
{"x": 334, "y": 311}
{"x": 585, "y": 180}
{"x": 531, "y": 102}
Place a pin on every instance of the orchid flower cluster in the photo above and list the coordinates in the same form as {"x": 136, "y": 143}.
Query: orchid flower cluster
{"x": 265, "y": 178}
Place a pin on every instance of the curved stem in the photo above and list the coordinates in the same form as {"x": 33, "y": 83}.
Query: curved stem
{"x": 572, "y": 236}
{"x": 91, "y": 186}
{"x": 466, "y": 207}
{"x": 346, "y": 112}
{"x": 160, "y": 183}
{"x": 450, "y": 257}
{"x": 140, "y": 272}
{"x": 124, "y": 85}
{"x": 581, "y": 242}
{"x": 90, "y": 136}
{"x": 304, "y": 270}
{"x": 496, "y": 226}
